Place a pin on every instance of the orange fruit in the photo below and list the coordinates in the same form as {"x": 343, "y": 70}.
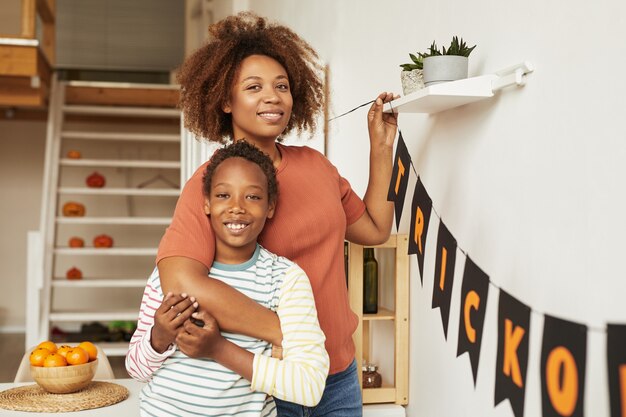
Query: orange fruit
{"x": 76, "y": 356}
{"x": 51, "y": 346}
{"x": 63, "y": 349}
{"x": 90, "y": 348}
{"x": 37, "y": 356}
{"x": 53, "y": 360}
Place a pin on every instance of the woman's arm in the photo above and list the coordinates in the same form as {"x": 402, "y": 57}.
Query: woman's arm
{"x": 374, "y": 226}
{"x": 233, "y": 311}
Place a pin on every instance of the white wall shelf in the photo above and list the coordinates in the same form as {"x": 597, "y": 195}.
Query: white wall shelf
{"x": 86, "y": 316}
{"x": 106, "y": 251}
{"x": 154, "y": 192}
{"x": 98, "y": 283}
{"x": 444, "y": 96}
{"x": 117, "y": 163}
{"x": 121, "y": 136}
{"x": 157, "y": 221}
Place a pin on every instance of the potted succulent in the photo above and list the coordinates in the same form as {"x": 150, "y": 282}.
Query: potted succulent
{"x": 448, "y": 64}
{"x": 412, "y": 76}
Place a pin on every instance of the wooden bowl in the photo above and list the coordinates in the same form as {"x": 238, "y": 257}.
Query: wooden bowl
{"x": 64, "y": 379}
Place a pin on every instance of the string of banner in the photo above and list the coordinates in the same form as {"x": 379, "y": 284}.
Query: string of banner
{"x": 564, "y": 345}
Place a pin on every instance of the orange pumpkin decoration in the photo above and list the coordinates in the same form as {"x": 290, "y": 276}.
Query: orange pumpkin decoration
{"x": 73, "y": 209}
{"x": 73, "y": 154}
{"x": 74, "y": 273}
{"x": 76, "y": 242}
{"x": 96, "y": 180}
{"x": 102, "y": 241}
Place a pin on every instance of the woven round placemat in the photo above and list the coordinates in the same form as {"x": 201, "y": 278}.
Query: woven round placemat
{"x": 34, "y": 398}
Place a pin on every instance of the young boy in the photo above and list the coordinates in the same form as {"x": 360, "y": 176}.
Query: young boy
{"x": 193, "y": 369}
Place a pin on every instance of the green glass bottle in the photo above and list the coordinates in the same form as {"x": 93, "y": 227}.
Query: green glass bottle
{"x": 370, "y": 282}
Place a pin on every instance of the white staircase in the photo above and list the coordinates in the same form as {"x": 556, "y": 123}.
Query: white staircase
{"x": 138, "y": 150}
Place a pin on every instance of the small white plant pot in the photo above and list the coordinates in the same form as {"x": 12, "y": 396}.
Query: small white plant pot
{"x": 412, "y": 81}
{"x": 444, "y": 68}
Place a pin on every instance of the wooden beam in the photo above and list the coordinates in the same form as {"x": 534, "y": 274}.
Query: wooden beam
{"x": 17, "y": 91}
{"x": 24, "y": 113}
{"x": 46, "y": 11}
{"x": 134, "y": 96}
{"x": 29, "y": 14}
{"x": 18, "y": 60}
{"x": 48, "y": 44}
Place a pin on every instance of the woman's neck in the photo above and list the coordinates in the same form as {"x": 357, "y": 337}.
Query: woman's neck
{"x": 270, "y": 148}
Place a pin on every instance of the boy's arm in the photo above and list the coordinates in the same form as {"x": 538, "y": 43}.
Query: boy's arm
{"x": 142, "y": 360}
{"x": 234, "y": 312}
{"x": 300, "y": 377}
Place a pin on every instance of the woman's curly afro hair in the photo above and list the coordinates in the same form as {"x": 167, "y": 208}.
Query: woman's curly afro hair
{"x": 206, "y": 77}
{"x": 247, "y": 151}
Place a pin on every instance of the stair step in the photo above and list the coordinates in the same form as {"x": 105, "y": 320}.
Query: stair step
{"x": 115, "y": 220}
{"x": 116, "y": 163}
{"x": 106, "y": 251}
{"x": 121, "y": 136}
{"x": 121, "y": 111}
{"x": 114, "y": 348}
{"x": 98, "y": 283}
{"x": 85, "y": 316}
{"x": 156, "y": 192}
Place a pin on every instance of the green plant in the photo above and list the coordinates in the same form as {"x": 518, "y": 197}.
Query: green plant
{"x": 416, "y": 64}
{"x": 457, "y": 47}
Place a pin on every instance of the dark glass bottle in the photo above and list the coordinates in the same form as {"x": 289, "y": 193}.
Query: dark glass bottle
{"x": 370, "y": 282}
{"x": 371, "y": 377}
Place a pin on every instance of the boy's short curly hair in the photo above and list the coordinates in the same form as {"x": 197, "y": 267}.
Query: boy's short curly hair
{"x": 206, "y": 77}
{"x": 245, "y": 150}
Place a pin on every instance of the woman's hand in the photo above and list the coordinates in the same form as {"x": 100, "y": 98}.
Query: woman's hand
{"x": 169, "y": 317}
{"x": 382, "y": 126}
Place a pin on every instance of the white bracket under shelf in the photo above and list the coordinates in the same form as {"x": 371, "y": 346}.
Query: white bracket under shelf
{"x": 444, "y": 96}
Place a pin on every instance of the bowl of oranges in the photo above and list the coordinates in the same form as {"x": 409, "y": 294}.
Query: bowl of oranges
{"x": 63, "y": 369}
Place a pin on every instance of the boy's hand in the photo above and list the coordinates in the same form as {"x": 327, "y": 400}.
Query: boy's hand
{"x": 200, "y": 336}
{"x": 169, "y": 317}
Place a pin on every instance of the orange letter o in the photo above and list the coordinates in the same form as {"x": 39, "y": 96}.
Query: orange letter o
{"x": 562, "y": 396}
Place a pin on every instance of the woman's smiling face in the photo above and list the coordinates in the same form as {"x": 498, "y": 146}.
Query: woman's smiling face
{"x": 260, "y": 100}
{"x": 237, "y": 205}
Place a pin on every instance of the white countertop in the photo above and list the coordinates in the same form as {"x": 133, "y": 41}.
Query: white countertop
{"x": 130, "y": 406}
{"x": 127, "y": 408}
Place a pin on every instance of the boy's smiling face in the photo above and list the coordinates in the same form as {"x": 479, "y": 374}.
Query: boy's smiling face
{"x": 238, "y": 206}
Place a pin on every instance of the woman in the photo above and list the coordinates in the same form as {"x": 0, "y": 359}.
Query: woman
{"x": 256, "y": 81}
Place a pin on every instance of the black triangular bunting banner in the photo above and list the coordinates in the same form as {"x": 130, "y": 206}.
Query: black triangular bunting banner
{"x": 512, "y": 360}
{"x": 474, "y": 292}
{"x": 563, "y": 363}
{"x": 444, "y": 274}
{"x": 399, "y": 178}
{"x": 420, "y": 210}
{"x": 616, "y": 359}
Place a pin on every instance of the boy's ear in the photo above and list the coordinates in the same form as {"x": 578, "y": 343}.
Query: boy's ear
{"x": 270, "y": 210}
{"x": 207, "y": 206}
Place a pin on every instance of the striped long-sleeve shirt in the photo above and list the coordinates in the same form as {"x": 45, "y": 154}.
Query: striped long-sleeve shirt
{"x": 179, "y": 385}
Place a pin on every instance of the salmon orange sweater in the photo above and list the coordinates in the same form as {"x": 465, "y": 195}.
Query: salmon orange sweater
{"x": 315, "y": 205}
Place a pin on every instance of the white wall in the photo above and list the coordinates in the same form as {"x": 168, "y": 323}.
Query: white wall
{"x": 21, "y": 168}
{"x": 529, "y": 183}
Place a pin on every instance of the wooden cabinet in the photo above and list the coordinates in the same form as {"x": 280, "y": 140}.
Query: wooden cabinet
{"x": 392, "y": 320}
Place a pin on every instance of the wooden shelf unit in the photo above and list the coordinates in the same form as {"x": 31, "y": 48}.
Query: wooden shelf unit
{"x": 398, "y": 391}
{"x": 127, "y": 141}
